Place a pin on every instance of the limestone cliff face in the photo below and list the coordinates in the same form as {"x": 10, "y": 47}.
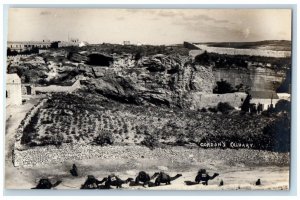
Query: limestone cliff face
{"x": 158, "y": 79}
{"x": 254, "y": 78}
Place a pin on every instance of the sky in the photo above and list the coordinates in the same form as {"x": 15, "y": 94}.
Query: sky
{"x": 149, "y": 26}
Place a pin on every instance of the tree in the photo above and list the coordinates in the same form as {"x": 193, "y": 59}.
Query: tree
{"x": 223, "y": 87}
{"x": 225, "y": 107}
{"x": 246, "y": 104}
{"x": 11, "y": 52}
{"x": 283, "y": 105}
{"x": 276, "y": 135}
{"x": 150, "y": 141}
{"x": 104, "y": 138}
{"x": 203, "y": 58}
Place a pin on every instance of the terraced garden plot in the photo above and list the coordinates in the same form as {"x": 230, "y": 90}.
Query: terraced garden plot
{"x": 92, "y": 119}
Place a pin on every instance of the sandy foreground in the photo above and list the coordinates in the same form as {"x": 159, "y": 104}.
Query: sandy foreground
{"x": 235, "y": 177}
{"x": 236, "y": 172}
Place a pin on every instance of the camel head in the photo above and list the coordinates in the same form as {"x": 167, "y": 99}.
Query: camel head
{"x": 154, "y": 175}
{"x": 215, "y": 175}
{"x": 129, "y": 180}
{"x": 178, "y": 175}
{"x": 175, "y": 177}
{"x": 104, "y": 179}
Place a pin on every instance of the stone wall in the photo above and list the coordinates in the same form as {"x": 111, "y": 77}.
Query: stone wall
{"x": 27, "y": 119}
{"x": 58, "y": 88}
{"x": 49, "y": 155}
{"x": 45, "y": 155}
{"x": 200, "y": 100}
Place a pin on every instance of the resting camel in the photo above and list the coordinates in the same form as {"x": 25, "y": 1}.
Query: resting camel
{"x": 202, "y": 177}
{"x": 144, "y": 178}
{"x": 114, "y": 180}
{"x": 92, "y": 183}
{"x": 164, "y": 178}
{"x": 45, "y": 183}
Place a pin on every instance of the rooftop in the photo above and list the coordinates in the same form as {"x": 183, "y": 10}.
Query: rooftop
{"x": 263, "y": 95}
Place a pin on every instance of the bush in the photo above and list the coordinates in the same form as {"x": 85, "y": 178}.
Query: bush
{"x": 246, "y": 104}
{"x": 150, "y": 142}
{"x": 276, "y": 135}
{"x": 212, "y": 109}
{"x": 29, "y": 130}
{"x": 203, "y": 110}
{"x": 283, "y": 105}
{"x": 56, "y": 139}
{"x": 104, "y": 138}
{"x": 224, "y": 108}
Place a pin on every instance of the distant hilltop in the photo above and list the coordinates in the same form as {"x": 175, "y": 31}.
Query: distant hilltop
{"x": 275, "y": 45}
{"x": 272, "y": 48}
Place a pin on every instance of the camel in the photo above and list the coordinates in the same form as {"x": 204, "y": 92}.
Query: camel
{"x": 142, "y": 177}
{"x": 202, "y": 177}
{"x": 114, "y": 180}
{"x": 164, "y": 178}
{"x": 45, "y": 183}
{"x": 92, "y": 183}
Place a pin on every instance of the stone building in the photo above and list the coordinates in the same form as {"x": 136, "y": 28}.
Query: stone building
{"x": 126, "y": 42}
{"x": 21, "y": 46}
{"x": 13, "y": 90}
{"x": 71, "y": 42}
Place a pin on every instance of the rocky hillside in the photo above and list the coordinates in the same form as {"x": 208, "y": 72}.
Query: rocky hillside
{"x": 156, "y": 79}
{"x": 157, "y": 75}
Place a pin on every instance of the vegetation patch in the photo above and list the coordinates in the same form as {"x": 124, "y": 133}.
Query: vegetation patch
{"x": 93, "y": 119}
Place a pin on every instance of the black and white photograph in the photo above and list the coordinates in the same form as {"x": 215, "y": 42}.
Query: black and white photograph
{"x": 148, "y": 99}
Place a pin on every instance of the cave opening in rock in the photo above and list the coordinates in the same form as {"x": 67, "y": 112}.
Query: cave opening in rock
{"x": 99, "y": 60}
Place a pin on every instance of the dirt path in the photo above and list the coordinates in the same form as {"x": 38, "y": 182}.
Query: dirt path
{"x": 14, "y": 116}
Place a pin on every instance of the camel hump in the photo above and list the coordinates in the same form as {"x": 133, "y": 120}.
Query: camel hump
{"x": 164, "y": 175}
{"x": 142, "y": 173}
{"x": 91, "y": 177}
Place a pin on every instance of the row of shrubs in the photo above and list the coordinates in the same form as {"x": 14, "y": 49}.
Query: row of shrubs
{"x": 192, "y": 127}
{"x": 223, "y": 107}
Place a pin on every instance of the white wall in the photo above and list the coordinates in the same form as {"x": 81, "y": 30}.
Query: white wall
{"x": 14, "y": 93}
{"x": 200, "y": 100}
